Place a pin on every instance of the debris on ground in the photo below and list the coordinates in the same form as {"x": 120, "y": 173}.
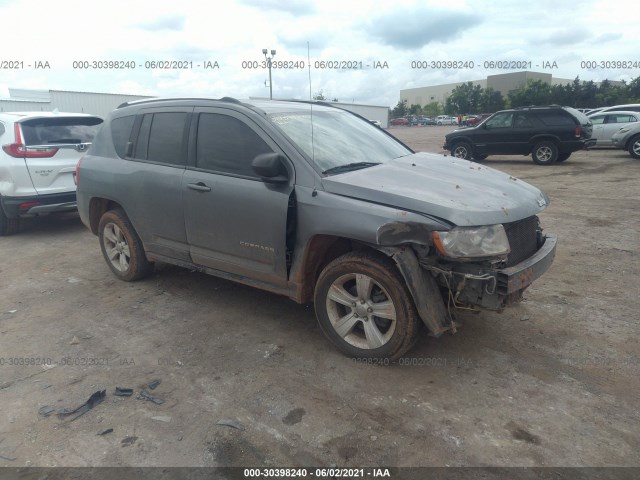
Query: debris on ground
{"x": 95, "y": 399}
{"x": 127, "y": 441}
{"x": 231, "y": 423}
{"x": 123, "y": 392}
{"x": 162, "y": 419}
{"x": 154, "y": 383}
{"x": 46, "y": 410}
{"x": 146, "y": 396}
{"x": 104, "y": 432}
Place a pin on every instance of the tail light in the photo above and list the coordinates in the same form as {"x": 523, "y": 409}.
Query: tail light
{"x": 578, "y": 132}
{"x": 19, "y": 150}
{"x": 76, "y": 176}
{"x": 28, "y": 205}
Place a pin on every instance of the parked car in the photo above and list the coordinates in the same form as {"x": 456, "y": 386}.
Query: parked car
{"x": 399, "y": 121}
{"x": 475, "y": 120}
{"x": 629, "y": 107}
{"x": 429, "y": 121}
{"x": 628, "y": 138}
{"x": 446, "y": 120}
{"x": 605, "y": 124}
{"x": 549, "y": 133}
{"x": 37, "y": 163}
{"x": 350, "y": 217}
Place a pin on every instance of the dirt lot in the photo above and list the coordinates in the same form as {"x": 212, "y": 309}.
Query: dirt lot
{"x": 552, "y": 381}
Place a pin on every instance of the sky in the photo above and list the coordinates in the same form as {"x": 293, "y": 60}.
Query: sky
{"x": 393, "y": 45}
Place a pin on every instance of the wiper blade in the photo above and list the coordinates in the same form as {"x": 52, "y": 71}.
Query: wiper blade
{"x": 350, "y": 166}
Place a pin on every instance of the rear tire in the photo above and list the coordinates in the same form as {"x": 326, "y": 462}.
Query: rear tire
{"x": 545, "y": 153}
{"x": 364, "y": 307}
{"x": 634, "y": 147}
{"x": 122, "y": 248}
{"x": 462, "y": 150}
{"x": 8, "y": 226}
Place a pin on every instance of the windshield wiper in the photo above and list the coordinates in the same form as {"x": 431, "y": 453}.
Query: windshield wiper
{"x": 350, "y": 166}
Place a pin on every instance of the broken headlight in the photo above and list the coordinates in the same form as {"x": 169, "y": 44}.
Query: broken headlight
{"x": 472, "y": 242}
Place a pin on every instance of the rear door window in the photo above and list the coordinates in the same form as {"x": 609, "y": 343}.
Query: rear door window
{"x": 162, "y": 138}
{"x": 621, "y": 118}
{"x": 521, "y": 120}
{"x": 500, "y": 120}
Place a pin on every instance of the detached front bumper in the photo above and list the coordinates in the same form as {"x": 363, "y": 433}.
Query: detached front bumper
{"x": 496, "y": 288}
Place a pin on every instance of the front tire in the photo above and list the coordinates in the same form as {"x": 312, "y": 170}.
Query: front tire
{"x": 122, "y": 248}
{"x": 462, "y": 150}
{"x": 634, "y": 147}
{"x": 545, "y": 153}
{"x": 364, "y": 307}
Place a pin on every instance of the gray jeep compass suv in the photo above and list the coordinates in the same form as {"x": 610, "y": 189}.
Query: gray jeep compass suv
{"x": 312, "y": 202}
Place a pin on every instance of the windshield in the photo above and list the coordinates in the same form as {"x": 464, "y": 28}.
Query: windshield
{"x": 339, "y": 138}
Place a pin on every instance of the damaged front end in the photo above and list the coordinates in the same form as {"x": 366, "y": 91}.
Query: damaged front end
{"x": 515, "y": 255}
{"x": 494, "y": 283}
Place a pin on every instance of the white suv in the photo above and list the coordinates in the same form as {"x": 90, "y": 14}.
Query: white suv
{"x": 446, "y": 120}
{"x": 39, "y": 154}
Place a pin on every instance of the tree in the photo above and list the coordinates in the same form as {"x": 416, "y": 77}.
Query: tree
{"x": 490, "y": 101}
{"x": 319, "y": 96}
{"x": 433, "y": 109}
{"x": 633, "y": 90}
{"x": 415, "y": 109}
{"x": 464, "y": 98}
{"x": 400, "y": 110}
{"x": 535, "y": 92}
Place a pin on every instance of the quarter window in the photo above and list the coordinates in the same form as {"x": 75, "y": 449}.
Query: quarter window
{"x": 226, "y": 144}
{"x": 120, "y": 133}
{"x": 555, "y": 118}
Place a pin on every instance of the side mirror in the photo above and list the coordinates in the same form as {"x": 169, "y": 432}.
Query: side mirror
{"x": 485, "y": 126}
{"x": 270, "y": 168}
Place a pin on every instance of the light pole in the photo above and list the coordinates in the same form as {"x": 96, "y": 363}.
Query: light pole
{"x": 268, "y": 59}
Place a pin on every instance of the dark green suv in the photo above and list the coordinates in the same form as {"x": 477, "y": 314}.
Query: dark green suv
{"x": 549, "y": 134}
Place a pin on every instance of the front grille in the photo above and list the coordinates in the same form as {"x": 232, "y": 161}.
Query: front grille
{"x": 523, "y": 239}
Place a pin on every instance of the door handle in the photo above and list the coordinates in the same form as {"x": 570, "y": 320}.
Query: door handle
{"x": 200, "y": 187}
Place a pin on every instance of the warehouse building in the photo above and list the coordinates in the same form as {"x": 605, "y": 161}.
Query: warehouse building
{"x": 100, "y": 104}
{"x": 503, "y": 83}
{"x": 27, "y": 100}
{"x": 370, "y": 112}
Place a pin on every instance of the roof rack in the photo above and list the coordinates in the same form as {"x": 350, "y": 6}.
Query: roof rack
{"x": 162, "y": 99}
{"x": 537, "y": 106}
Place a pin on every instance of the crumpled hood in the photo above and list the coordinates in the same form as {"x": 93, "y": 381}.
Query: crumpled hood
{"x": 458, "y": 191}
